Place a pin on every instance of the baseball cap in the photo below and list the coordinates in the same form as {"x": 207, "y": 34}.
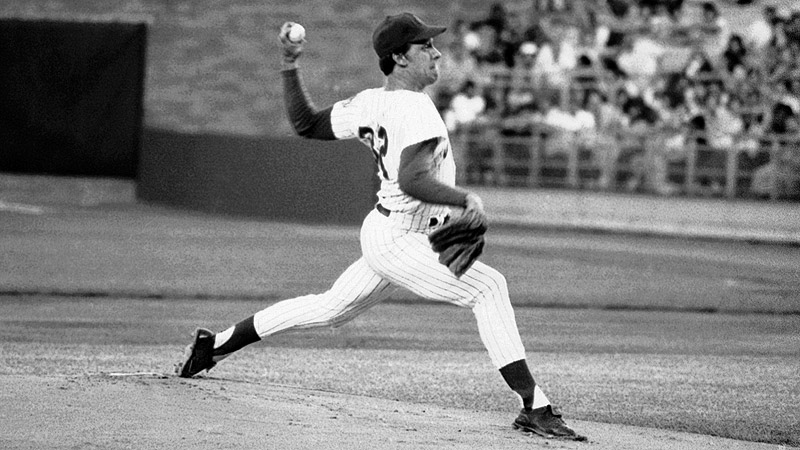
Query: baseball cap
{"x": 400, "y": 29}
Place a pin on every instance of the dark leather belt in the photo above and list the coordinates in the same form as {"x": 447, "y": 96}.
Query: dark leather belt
{"x": 381, "y": 209}
{"x": 432, "y": 222}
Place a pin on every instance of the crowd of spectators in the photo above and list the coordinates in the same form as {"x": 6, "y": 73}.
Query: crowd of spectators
{"x": 600, "y": 74}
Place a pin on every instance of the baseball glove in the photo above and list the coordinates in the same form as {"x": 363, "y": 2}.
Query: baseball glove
{"x": 459, "y": 242}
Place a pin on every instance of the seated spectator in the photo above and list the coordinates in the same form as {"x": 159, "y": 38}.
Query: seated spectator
{"x": 780, "y": 177}
{"x": 666, "y": 146}
{"x": 698, "y": 66}
{"x": 638, "y": 60}
{"x": 466, "y": 107}
{"x": 480, "y": 140}
{"x": 568, "y": 49}
{"x": 641, "y": 120}
{"x": 565, "y": 127}
{"x": 511, "y": 39}
{"x": 640, "y": 114}
{"x": 674, "y": 7}
{"x": 551, "y": 6}
{"x": 793, "y": 90}
{"x": 748, "y": 138}
{"x": 458, "y": 30}
{"x": 661, "y": 22}
{"x": 673, "y": 90}
{"x": 487, "y": 49}
{"x": 683, "y": 25}
{"x": 490, "y": 32}
{"x": 545, "y": 68}
{"x": 521, "y": 119}
{"x": 524, "y": 61}
{"x": 608, "y": 112}
{"x": 783, "y": 65}
{"x": 759, "y": 33}
{"x": 497, "y": 18}
{"x": 715, "y": 30}
{"x": 793, "y": 26}
{"x": 588, "y": 56}
{"x": 534, "y": 31}
{"x": 496, "y": 104}
{"x": 555, "y": 59}
{"x": 456, "y": 66}
{"x": 723, "y": 125}
{"x": 519, "y": 97}
{"x": 750, "y": 90}
{"x": 603, "y": 139}
{"x": 621, "y": 21}
{"x": 783, "y": 93}
{"x": 734, "y": 58}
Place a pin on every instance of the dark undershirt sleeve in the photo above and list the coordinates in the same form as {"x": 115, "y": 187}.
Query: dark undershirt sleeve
{"x": 307, "y": 120}
{"x": 414, "y": 177}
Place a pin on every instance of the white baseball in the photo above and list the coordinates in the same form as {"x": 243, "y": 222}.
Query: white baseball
{"x": 297, "y": 33}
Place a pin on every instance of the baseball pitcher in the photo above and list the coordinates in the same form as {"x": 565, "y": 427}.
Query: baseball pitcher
{"x": 405, "y": 134}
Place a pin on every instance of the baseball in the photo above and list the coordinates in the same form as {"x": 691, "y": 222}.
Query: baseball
{"x": 297, "y": 33}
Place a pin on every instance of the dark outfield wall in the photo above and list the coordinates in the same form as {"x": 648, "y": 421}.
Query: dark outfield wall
{"x": 288, "y": 179}
{"x": 71, "y": 97}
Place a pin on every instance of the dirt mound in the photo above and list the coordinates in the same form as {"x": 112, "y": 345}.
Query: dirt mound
{"x": 148, "y": 410}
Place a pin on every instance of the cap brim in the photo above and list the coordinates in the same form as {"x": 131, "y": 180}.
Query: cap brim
{"x": 428, "y": 33}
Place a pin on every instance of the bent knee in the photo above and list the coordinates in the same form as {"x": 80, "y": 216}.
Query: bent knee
{"x": 491, "y": 283}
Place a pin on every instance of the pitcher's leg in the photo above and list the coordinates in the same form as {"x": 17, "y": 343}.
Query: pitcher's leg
{"x": 355, "y": 291}
{"x": 408, "y": 261}
{"x": 497, "y": 324}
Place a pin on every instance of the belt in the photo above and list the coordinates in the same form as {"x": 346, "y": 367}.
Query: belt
{"x": 432, "y": 222}
{"x": 382, "y": 209}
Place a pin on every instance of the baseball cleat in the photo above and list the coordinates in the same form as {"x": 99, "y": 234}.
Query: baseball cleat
{"x": 547, "y": 422}
{"x": 199, "y": 354}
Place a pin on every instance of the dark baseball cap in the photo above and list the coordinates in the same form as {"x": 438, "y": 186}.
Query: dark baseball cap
{"x": 400, "y": 29}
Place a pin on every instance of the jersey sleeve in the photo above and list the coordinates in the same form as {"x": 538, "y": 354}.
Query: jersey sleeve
{"x": 345, "y": 116}
{"x": 419, "y": 123}
{"x": 306, "y": 119}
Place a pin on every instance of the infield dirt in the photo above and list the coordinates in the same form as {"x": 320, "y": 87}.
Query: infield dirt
{"x": 152, "y": 411}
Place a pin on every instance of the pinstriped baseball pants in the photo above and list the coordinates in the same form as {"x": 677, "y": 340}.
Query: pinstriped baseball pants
{"x": 398, "y": 255}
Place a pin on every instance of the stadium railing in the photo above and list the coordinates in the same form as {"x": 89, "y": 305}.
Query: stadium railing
{"x": 769, "y": 168}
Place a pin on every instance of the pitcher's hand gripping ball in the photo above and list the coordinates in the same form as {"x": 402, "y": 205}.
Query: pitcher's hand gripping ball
{"x": 297, "y": 33}
{"x": 460, "y": 242}
{"x": 292, "y": 36}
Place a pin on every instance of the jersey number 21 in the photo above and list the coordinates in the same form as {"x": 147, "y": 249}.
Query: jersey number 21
{"x": 377, "y": 141}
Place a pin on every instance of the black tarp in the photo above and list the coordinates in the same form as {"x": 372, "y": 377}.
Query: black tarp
{"x": 71, "y": 97}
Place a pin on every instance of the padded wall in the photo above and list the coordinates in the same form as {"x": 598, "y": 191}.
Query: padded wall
{"x": 287, "y": 179}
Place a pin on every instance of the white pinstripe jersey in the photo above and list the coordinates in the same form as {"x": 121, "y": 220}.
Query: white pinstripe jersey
{"x": 387, "y": 122}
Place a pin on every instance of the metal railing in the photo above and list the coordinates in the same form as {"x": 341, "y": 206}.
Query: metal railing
{"x": 635, "y": 162}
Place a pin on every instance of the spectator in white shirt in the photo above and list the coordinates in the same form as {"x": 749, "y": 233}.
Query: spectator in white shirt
{"x": 716, "y": 30}
{"x": 759, "y": 33}
{"x": 566, "y": 127}
{"x": 466, "y": 107}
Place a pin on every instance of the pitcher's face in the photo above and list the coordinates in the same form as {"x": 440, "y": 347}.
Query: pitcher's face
{"x": 423, "y": 61}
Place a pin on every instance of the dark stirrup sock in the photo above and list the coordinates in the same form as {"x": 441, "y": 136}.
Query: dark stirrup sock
{"x": 519, "y": 379}
{"x": 244, "y": 334}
